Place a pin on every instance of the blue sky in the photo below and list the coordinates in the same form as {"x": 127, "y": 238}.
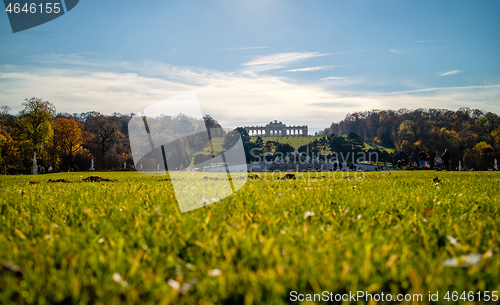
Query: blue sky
{"x": 301, "y": 62}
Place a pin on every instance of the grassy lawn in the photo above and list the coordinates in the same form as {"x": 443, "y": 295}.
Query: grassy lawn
{"x": 295, "y": 142}
{"x": 369, "y": 146}
{"x": 124, "y": 241}
{"x": 217, "y": 146}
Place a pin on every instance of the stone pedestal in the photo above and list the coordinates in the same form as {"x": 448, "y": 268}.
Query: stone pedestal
{"x": 34, "y": 170}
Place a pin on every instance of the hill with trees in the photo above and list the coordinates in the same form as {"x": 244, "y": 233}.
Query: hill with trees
{"x": 62, "y": 140}
{"x": 471, "y": 135}
{"x": 66, "y": 141}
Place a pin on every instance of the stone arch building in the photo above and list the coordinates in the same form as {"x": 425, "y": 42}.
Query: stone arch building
{"x": 277, "y": 129}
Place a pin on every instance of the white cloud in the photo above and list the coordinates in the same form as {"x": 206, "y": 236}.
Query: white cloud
{"x": 333, "y": 78}
{"x": 445, "y": 88}
{"x": 280, "y": 60}
{"x": 450, "y": 73}
{"x": 397, "y": 51}
{"x": 354, "y": 51}
{"x": 478, "y": 97}
{"x": 311, "y": 69}
{"x": 233, "y": 98}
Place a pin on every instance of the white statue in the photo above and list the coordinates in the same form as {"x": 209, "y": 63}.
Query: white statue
{"x": 34, "y": 168}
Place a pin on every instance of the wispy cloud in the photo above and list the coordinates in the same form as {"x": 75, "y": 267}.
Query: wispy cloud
{"x": 312, "y": 69}
{"x": 445, "y": 88}
{"x": 450, "y": 73}
{"x": 332, "y": 78}
{"x": 354, "y": 51}
{"x": 421, "y": 49}
{"x": 234, "y": 98}
{"x": 280, "y": 60}
{"x": 397, "y": 51}
{"x": 243, "y": 48}
{"x": 84, "y": 86}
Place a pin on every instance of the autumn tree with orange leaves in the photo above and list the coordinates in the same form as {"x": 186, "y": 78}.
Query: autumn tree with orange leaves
{"x": 68, "y": 138}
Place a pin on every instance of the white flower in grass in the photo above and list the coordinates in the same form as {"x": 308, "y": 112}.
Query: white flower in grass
{"x": 101, "y": 240}
{"x": 453, "y": 241}
{"x": 308, "y": 214}
{"x": 174, "y": 284}
{"x": 186, "y": 286}
{"x": 463, "y": 261}
{"x": 118, "y": 278}
{"x": 214, "y": 273}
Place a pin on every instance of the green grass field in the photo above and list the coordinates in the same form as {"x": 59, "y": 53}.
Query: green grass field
{"x": 369, "y": 146}
{"x": 124, "y": 241}
{"x": 295, "y": 142}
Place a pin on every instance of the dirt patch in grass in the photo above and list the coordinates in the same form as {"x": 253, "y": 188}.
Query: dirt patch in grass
{"x": 58, "y": 180}
{"x": 289, "y": 177}
{"x": 96, "y": 179}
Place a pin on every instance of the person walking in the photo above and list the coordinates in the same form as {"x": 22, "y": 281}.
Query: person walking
{"x": 446, "y": 159}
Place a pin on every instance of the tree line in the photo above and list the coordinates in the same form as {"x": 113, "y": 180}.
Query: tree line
{"x": 471, "y": 135}
{"x": 69, "y": 142}
{"x": 62, "y": 141}
{"x": 66, "y": 141}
